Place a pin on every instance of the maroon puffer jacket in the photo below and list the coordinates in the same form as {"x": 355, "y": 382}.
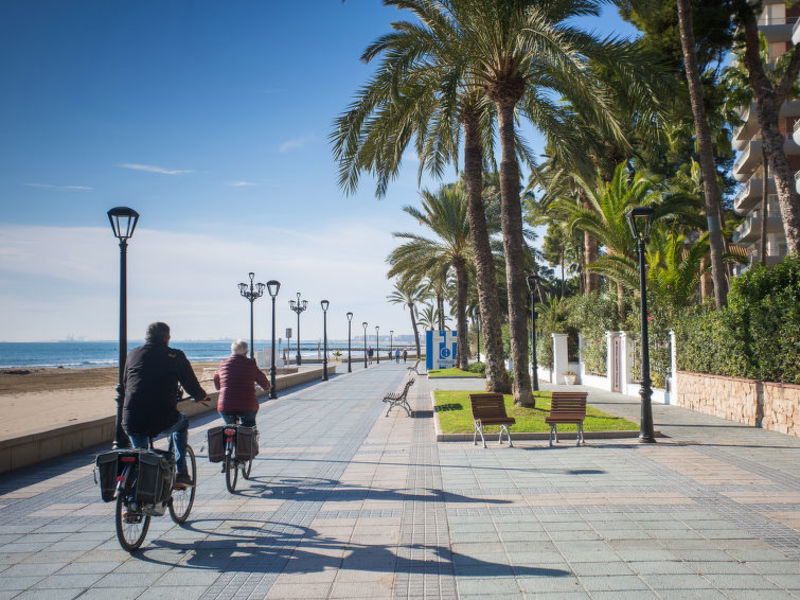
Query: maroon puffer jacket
{"x": 235, "y": 378}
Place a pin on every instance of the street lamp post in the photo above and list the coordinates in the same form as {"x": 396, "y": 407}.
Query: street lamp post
{"x": 533, "y": 280}
{"x": 349, "y": 349}
{"x": 123, "y": 221}
{"x": 391, "y": 334}
{"x": 364, "y": 325}
{"x": 298, "y": 306}
{"x": 273, "y": 287}
{"x": 639, "y": 220}
{"x": 252, "y": 294}
{"x": 377, "y": 344}
{"x": 324, "y": 304}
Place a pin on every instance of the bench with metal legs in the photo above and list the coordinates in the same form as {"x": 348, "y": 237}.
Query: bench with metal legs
{"x": 399, "y": 399}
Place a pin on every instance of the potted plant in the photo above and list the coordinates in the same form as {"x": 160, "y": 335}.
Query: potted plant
{"x": 570, "y": 377}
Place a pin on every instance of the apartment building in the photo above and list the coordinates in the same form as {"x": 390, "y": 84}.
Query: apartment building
{"x": 781, "y": 26}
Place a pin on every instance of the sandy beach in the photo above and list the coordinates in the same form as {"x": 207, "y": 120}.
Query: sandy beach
{"x": 33, "y": 399}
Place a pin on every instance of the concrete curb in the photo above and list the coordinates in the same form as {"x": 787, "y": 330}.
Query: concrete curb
{"x": 467, "y": 437}
{"x": 32, "y": 448}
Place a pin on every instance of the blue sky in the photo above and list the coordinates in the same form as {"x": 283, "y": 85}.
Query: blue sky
{"x": 211, "y": 120}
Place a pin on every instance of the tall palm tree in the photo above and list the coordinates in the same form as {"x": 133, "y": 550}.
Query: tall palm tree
{"x": 409, "y": 294}
{"x": 445, "y": 215}
{"x": 421, "y": 91}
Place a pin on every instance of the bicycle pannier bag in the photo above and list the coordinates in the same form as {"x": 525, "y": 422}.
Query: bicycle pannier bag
{"x": 107, "y": 465}
{"x": 156, "y": 474}
{"x": 216, "y": 444}
{"x": 246, "y": 442}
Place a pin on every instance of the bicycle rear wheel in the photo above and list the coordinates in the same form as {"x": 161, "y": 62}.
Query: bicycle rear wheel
{"x": 247, "y": 466}
{"x": 131, "y": 526}
{"x": 180, "y": 505}
{"x": 231, "y": 471}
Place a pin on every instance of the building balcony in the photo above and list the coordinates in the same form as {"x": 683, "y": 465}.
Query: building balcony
{"x": 749, "y": 195}
{"x": 750, "y": 159}
{"x": 796, "y": 32}
{"x": 747, "y": 131}
{"x": 750, "y": 230}
{"x": 777, "y": 29}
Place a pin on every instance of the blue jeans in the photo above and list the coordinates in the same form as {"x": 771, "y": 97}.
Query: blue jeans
{"x": 180, "y": 437}
{"x": 248, "y": 417}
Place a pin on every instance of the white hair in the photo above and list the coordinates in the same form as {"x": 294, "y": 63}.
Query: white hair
{"x": 239, "y": 347}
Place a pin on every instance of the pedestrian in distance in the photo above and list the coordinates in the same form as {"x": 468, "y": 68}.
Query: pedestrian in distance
{"x": 397, "y": 356}
{"x": 370, "y": 352}
{"x": 405, "y": 355}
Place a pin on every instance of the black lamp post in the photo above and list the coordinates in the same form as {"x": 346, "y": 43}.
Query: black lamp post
{"x": 639, "y": 220}
{"x": 349, "y": 350}
{"x": 273, "y": 287}
{"x": 533, "y": 280}
{"x": 324, "y": 304}
{"x": 298, "y": 306}
{"x": 252, "y": 294}
{"x": 391, "y": 334}
{"x": 364, "y": 325}
{"x": 123, "y": 221}
{"x": 377, "y": 344}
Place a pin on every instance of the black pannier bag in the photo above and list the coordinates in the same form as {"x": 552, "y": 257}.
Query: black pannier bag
{"x": 216, "y": 444}
{"x": 108, "y": 468}
{"x": 246, "y": 442}
{"x": 156, "y": 475}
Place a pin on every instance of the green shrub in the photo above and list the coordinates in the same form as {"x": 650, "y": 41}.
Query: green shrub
{"x": 477, "y": 367}
{"x": 592, "y": 317}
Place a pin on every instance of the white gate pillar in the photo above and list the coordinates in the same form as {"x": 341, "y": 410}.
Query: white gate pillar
{"x": 612, "y": 363}
{"x": 560, "y": 358}
{"x": 628, "y": 345}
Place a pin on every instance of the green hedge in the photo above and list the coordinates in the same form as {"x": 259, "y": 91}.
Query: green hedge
{"x": 757, "y": 336}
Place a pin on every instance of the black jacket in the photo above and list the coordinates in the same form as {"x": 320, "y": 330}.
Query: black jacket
{"x": 152, "y": 373}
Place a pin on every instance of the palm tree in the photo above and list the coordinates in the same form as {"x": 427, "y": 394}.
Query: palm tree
{"x": 445, "y": 215}
{"x": 421, "y": 91}
{"x": 713, "y": 197}
{"x": 409, "y": 294}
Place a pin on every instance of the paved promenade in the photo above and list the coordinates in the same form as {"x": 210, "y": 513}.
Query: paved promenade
{"x": 345, "y": 503}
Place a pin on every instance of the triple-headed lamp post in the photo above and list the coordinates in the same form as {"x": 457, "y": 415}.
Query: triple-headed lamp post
{"x": 349, "y": 349}
{"x": 533, "y": 280}
{"x": 253, "y": 293}
{"x": 364, "y": 325}
{"x": 298, "y": 306}
{"x": 123, "y": 221}
{"x": 377, "y": 344}
{"x": 324, "y": 304}
{"x": 273, "y": 287}
{"x": 640, "y": 219}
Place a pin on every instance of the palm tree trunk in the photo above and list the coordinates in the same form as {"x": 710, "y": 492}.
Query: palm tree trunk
{"x": 590, "y": 255}
{"x": 768, "y": 103}
{"x": 710, "y": 187}
{"x": 460, "y": 267}
{"x": 764, "y": 189}
{"x": 414, "y": 328}
{"x": 511, "y": 221}
{"x": 486, "y": 279}
{"x": 563, "y": 277}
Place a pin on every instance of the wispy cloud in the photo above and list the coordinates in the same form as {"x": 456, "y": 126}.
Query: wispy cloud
{"x": 154, "y": 169}
{"x": 295, "y": 143}
{"x": 60, "y": 188}
{"x": 240, "y": 183}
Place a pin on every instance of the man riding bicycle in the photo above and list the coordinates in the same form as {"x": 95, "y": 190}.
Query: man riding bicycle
{"x": 152, "y": 375}
{"x": 235, "y": 379}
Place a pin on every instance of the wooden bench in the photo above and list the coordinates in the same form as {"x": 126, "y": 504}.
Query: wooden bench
{"x": 567, "y": 407}
{"x": 489, "y": 409}
{"x": 399, "y": 398}
{"x": 415, "y": 366}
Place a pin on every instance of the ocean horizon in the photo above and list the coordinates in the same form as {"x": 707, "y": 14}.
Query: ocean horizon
{"x": 83, "y": 354}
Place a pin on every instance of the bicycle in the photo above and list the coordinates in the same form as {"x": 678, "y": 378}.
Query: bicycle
{"x": 232, "y": 463}
{"x": 132, "y": 517}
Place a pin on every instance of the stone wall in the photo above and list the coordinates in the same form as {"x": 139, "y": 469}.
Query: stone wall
{"x": 731, "y": 398}
{"x": 782, "y": 408}
{"x": 773, "y": 406}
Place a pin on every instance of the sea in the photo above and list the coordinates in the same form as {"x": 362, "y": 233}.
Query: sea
{"x": 80, "y": 354}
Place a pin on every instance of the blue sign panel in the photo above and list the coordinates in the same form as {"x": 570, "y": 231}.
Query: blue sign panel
{"x": 440, "y": 349}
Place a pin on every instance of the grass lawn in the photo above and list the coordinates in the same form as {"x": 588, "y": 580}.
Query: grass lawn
{"x": 455, "y": 415}
{"x": 454, "y": 372}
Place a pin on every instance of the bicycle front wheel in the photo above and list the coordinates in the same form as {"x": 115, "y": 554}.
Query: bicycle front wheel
{"x": 180, "y": 505}
{"x": 131, "y": 526}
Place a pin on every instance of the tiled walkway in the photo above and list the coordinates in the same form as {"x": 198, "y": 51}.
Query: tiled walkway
{"x": 345, "y": 503}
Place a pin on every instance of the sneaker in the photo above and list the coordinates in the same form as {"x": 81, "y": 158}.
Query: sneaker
{"x": 182, "y": 481}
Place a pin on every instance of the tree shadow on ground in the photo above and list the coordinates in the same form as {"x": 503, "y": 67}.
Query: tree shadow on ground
{"x": 254, "y": 546}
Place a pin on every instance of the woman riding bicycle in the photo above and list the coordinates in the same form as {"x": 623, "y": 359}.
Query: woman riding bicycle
{"x": 152, "y": 374}
{"x": 234, "y": 379}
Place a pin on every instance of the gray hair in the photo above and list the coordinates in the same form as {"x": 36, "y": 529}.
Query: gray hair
{"x": 157, "y": 332}
{"x": 239, "y": 347}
